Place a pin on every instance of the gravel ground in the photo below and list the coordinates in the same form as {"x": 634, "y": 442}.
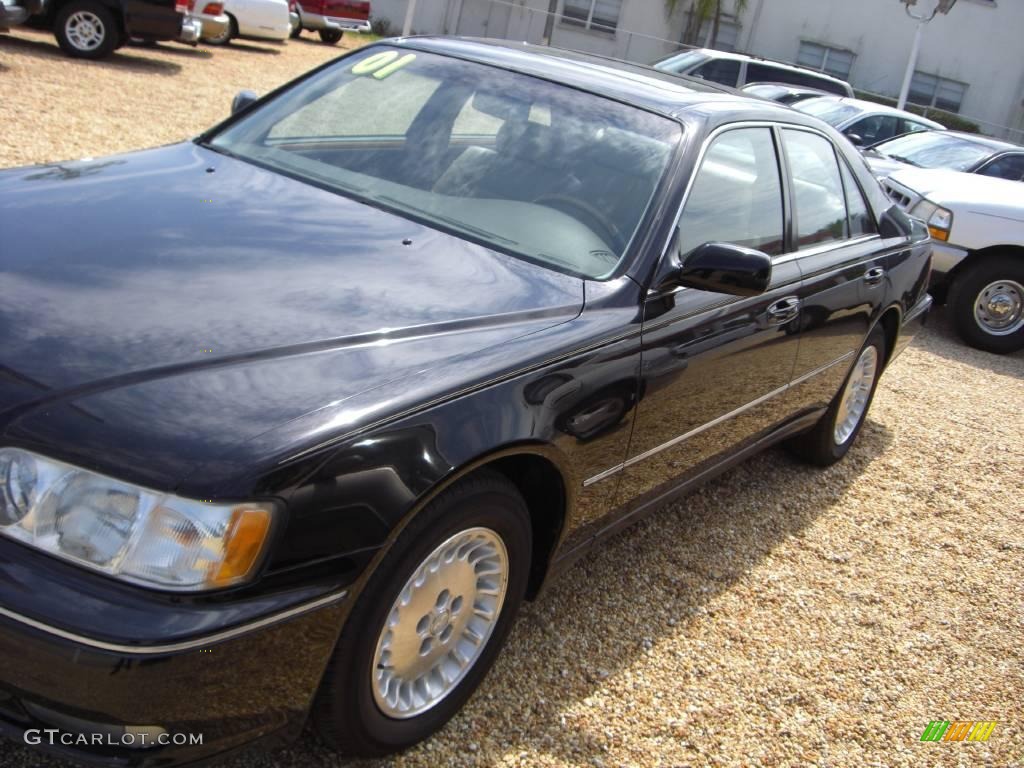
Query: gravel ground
{"x": 780, "y": 616}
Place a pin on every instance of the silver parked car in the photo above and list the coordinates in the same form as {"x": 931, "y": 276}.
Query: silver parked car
{"x": 866, "y": 122}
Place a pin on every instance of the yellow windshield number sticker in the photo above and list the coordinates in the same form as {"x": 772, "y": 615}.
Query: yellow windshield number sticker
{"x": 382, "y": 64}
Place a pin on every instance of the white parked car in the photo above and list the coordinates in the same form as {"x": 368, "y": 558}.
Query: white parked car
{"x": 259, "y": 19}
{"x": 977, "y": 223}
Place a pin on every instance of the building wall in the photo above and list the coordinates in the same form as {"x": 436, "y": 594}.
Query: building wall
{"x": 979, "y": 43}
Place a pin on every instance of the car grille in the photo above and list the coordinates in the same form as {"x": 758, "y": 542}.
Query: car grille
{"x": 900, "y": 198}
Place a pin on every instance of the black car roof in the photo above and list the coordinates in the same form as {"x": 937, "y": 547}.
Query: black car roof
{"x": 635, "y": 84}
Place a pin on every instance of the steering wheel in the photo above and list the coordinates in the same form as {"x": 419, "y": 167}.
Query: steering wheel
{"x": 592, "y": 217}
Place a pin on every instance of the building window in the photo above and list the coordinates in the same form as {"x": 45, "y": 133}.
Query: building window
{"x": 835, "y": 61}
{"x": 933, "y": 91}
{"x": 602, "y": 15}
{"x": 728, "y": 35}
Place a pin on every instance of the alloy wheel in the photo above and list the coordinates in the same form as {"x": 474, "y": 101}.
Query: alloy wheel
{"x": 856, "y": 395}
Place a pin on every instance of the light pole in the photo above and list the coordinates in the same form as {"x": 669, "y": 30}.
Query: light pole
{"x": 944, "y": 7}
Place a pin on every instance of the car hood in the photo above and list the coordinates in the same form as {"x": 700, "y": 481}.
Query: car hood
{"x": 968, "y": 192}
{"x": 882, "y": 166}
{"x": 175, "y": 302}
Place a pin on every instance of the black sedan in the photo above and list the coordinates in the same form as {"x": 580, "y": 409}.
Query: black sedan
{"x": 294, "y": 415}
{"x": 966, "y": 152}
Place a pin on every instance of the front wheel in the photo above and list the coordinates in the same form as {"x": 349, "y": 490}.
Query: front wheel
{"x": 831, "y": 438}
{"x": 987, "y": 304}
{"x": 230, "y": 31}
{"x": 330, "y": 36}
{"x": 86, "y": 30}
{"x": 430, "y": 622}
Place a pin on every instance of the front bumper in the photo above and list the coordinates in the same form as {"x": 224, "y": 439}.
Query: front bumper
{"x": 944, "y": 258}
{"x": 191, "y": 30}
{"x": 80, "y": 696}
{"x": 212, "y": 26}
{"x": 913, "y": 321}
{"x": 317, "y": 21}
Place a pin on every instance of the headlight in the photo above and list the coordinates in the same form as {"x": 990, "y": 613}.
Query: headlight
{"x": 123, "y": 530}
{"x": 938, "y": 219}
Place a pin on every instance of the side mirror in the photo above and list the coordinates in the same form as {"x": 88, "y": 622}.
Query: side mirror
{"x": 726, "y": 268}
{"x": 242, "y": 100}
{"x": 856, "y": 139}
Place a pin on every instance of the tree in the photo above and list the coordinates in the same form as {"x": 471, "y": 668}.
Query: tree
{"x": 700, "y": 12}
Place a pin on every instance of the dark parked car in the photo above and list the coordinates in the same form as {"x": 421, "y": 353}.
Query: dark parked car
{"x": 307, "y": 406}
{"x": 965, "y": 152}
{"x": 93, "y": 29}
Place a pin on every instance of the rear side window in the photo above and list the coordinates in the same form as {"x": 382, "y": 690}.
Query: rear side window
{"x": 820, "y": 200}
{"x": 723, "y": 71}
{"x": 758, "y": 72}
{"x": 861, "y": 222}
{"x": 736, "y": 195}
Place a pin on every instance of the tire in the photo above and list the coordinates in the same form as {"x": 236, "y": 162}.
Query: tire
{"x": 297, "y": 31}
{"x": 354, "y": 712}
{"x": 330, "y": 36}
{"x": 830, "y": 439}
{"x": 226, "y": 36}
{"x": 991, "y": 284}
{"x": 85, "y": 29}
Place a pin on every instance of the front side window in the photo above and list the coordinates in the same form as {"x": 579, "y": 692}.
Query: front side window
{"x": 549, "y": 173}
{"x": 1009, "y": 167}
{"x": 736, "y": 195}
{"x": 820, "y": 207}
{"x": 875, "y": 128}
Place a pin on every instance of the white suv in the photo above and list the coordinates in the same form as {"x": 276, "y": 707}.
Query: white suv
{"x": 737, "y": 69}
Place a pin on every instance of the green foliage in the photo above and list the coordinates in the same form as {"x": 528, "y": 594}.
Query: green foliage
{"x": 951, "y": 120}
{"x": 701, "y": 11}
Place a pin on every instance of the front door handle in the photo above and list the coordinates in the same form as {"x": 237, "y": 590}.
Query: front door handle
{"x": 784, "y": 310}
{"x": 874, "y": 275}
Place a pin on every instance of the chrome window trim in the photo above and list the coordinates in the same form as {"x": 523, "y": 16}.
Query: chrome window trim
{"x": 714, "y": 422}
{"x": 184, "y": 645}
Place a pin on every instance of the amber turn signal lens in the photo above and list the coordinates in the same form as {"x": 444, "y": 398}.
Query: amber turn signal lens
{"x": 246, "y": 535}
{"x": 938, "y": 234}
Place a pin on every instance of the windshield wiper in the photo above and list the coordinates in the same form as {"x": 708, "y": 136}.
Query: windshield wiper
{"x": 906, "y": 160}
{"x": 445, "y": 219}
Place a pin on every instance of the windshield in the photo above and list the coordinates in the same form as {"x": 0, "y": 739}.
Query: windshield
{"x": 935, "y": 150}
{"x": 831, "y": 111}
{"x": 542, "y": 171}
{"x": 682, "y": 62}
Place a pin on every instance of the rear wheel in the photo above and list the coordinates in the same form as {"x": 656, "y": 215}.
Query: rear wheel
{"x": 86, "y": 29}
{"x": 987, "y": 304}
{"x": 831, "y": 438}
{"x": 430, "y": 621}
{"x": 296, "y": 29}
{"x": 330, "y": 36}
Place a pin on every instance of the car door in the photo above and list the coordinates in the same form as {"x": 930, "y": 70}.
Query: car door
{"x": 836, "y": 245}
{"x": 714, "y": 368}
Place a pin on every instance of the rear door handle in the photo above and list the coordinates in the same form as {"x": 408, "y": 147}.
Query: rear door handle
{"x": 874, "y": 275}
{"x": 784, "y": 310}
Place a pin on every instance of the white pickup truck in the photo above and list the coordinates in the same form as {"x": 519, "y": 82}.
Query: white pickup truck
{"x": 977, "y": 224}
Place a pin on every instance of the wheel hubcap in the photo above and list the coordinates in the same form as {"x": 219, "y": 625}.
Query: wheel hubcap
{"x": 999, "y": 308}
{"x": 440, "y": 623}
{"x": 856, "y": 394}
{"x": 84, "y": 30}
